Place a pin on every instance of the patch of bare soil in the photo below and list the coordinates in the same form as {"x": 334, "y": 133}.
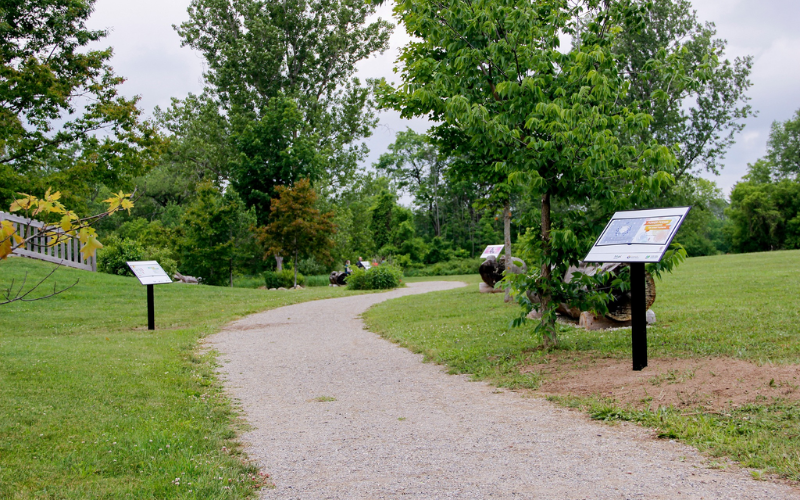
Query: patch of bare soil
{"x": 711, "y": 383}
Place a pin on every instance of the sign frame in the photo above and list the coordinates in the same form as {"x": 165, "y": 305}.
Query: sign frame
{"x": 607, "y": 250}
{"x": 149, "y": 273}
{"x": 623, "y": 247}
{"x": 492, "y": 250}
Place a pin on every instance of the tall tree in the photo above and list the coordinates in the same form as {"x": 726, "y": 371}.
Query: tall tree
{"x": 61, "y": 117}
{"x": 415, "y": 164}
{"x": 297, "y": 228}
{"x": 700, "y": 110}
{"x": 300, "y": 51}
{"x": 546, "y": 117}
{"x": 783, "y": 148}
{"x": 217, "y": 240}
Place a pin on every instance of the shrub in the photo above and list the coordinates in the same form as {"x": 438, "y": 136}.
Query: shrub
{"x": 358, "y": 280}
{"x": 385, "y": 277}
{"x": 378, "y": 278}
{"x": 115, "y": 254}
{"x": 284, "y": 279}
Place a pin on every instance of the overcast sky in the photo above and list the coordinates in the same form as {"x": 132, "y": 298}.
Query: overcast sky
{"x": 148, "y": 54}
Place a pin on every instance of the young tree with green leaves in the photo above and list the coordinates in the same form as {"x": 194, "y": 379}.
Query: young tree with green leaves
{"x": 217, "y": 236}
{"x": 297, "y": 228}
{"x": 549, "y": 119}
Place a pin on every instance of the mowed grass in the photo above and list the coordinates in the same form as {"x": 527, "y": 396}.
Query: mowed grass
{"x": 740, "y": 306}
{"x": 93, "y": 405}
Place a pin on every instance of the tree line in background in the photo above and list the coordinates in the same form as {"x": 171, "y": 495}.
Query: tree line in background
{"x": 535, "y": 144}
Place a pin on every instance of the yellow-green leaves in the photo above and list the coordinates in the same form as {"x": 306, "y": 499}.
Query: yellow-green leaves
{"x": 8, "y": 238}
{"x": 89, "y": 244}
{"x": 69, "y": 226}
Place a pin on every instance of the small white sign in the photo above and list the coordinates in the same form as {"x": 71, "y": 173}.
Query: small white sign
{"x": 149, "y": 272}
{"x": 495, "y": 250}
{"x": 638, "y": 235}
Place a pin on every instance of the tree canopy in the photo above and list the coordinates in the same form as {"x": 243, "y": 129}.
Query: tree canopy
{"x": 546, "y": 117}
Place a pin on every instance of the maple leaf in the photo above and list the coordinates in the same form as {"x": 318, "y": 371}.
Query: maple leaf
{"x": 8, "y": 236}
{"x": 88, "y": 239}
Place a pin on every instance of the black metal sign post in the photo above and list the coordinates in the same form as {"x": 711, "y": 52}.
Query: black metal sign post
{"x": 635, "y": 238}
{"x": 151, "y": 313}
{"x": 638, "y": 316}
{"x": 150, "y": 273}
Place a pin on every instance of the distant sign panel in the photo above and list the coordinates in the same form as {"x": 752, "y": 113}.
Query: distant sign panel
{"x": 638, "y": 235}
{"x": 494, "y": 250}
{"x": 149, "y": 272}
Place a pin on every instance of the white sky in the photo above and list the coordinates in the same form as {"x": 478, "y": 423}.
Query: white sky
{"x": 147, "y": 52}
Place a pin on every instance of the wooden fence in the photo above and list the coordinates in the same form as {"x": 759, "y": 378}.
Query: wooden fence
{"x": 65, "y": 252}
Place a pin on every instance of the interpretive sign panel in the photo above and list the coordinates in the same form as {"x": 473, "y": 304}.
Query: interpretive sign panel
{"x": 638, "y": 235}
{"x": 492, "y": 250}
{"x": 149, "y": 272}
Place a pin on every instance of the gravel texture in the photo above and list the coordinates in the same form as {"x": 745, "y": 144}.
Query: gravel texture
{"x": 402, "y": 428}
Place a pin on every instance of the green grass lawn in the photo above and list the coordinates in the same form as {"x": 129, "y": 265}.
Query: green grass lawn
{"x": 93, "y": 405}
{"x": 740, "y": 306}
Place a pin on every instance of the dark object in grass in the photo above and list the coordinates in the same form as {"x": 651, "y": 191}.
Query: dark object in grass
{"x": 338, "y": 278}
{"x": 491, "y": 270}
{"x": 619, "y": 309}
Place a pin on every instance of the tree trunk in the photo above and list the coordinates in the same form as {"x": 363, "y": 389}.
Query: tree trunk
{"x": 295, "y": 267}
{"x": 279, "y": 261}
{"x": 507, "y": 241}
{"x": 549, "y": 338}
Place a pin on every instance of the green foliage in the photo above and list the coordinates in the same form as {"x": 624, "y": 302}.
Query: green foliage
{"x": 318, "y": 280}
{"x": 765, "y": 216}
{"x": 415, "y": 164}
{"x": 282, "y": 279}
{"x": 116, "y": 252}
{"x": 217, "y": 239}
{"x": 449, "y": 268}
{"x": 289, "y": 64}
{"x": 377, "y": 278}
{"x": 701, "y": 99}
{"x": 272, "y": 153}
{"x": 57, "y": 94}
{"x": 381, "y": 223}
{"x": 524, "y": 115}
{"x": 783, "y": 148}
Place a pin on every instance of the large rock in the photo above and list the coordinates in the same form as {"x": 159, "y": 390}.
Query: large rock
{"x": 492, "y": 269}
{"x": 619, "y": 309}
{"x": 338, "y": 278}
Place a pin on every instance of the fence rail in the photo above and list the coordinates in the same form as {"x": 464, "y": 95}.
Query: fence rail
{"x": 39, "y": 246}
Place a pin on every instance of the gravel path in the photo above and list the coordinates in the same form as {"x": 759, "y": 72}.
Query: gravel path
{"x": 402, "y": 428}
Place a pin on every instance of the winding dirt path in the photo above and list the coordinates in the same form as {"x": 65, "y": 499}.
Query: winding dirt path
{"x": 337, "y": 412}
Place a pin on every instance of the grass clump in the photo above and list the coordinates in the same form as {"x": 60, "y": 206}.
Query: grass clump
{"x": 93, "y": 405}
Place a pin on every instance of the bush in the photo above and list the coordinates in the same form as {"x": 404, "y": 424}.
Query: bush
{"x": 378, "y": 278}
{"x": 449, "y": 268}
{"x": 115, "y": 254}
{"x": 282, "y": 279}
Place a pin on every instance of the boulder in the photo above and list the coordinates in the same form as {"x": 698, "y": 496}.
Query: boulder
{"x": 492, "y": 269}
